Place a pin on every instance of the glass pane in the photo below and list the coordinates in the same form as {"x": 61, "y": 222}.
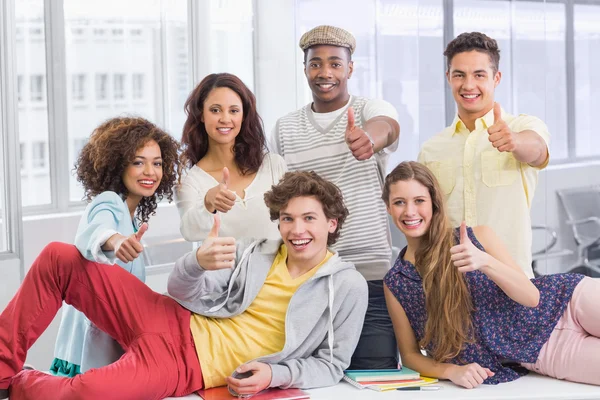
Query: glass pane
{"x": 529, "y": 34}
{"x": 587, "y": 82}
{"x": 410, "y": 35}
{"x": 124, "y": 58}
{"x": 540, "y": 68}
{"x": 33, "y": 106}
{"x": 229, "y": 37}
{"x": 3, "y": 199}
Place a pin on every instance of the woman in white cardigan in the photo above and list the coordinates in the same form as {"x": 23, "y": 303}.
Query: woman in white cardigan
{"x": 229, "y": 166}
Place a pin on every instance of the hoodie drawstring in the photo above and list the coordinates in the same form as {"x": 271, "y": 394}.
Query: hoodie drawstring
{"x": 234, "y": 275}
{"x": 330, "y": 332}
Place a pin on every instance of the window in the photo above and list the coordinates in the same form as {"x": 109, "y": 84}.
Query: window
{"x": 78, "y": 146}
{"x": 587, "y": 84}
{"x": 130, "y": 57}
{"x": 410, "y": 33}
{"x": 39, "y": 155}
{"x": 20, "y": 88}
{"x": 101, "y": 87}
{"x": 138, "y": 86}
{"x": 23, "y": 156}
{"x": 78, "y": 87}
{"x": 32, "y": 93}
{"x": 119, "y": 86}
{"x": 36, "y": 88}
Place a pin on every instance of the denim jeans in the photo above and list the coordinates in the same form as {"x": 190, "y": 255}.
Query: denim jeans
{"x": 377, "y": 347}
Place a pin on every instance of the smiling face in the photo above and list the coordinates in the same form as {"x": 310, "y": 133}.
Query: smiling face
{"x": 327, "y": 69}
{"x": 473, "y": 80}
{"x": 222, "y": 114}
{"x": 411, "y": 208}
{"x": 304, "y": 229}
{"x": 143, "y": 175}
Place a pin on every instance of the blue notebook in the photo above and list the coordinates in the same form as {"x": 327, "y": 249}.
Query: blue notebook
{"x": 377, "y": 375}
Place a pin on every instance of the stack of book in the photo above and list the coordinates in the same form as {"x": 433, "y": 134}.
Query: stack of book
{"x": 386, "y": 379}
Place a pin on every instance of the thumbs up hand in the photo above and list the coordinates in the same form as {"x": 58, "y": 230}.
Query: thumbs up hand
{"x": 500, "y": 135}
{"x": 357, "y": 140}
{"x": 126, "y": 248}
{"x": 465, "y": 256}
{"x": 220, "y": 198}
{"x": 216, "y": 252}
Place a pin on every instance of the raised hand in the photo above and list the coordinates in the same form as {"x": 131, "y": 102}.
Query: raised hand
{"x": 216, "y": 252}
{"x": 127, "y": 248}
{"x": 259, "y": 379}
{"x": 357, "y": 140}
{"x": 470, "y": 375}
{"x": 500, "y": 135}
{"x": 465, "y": 256}
{"x": 220, "y": 198}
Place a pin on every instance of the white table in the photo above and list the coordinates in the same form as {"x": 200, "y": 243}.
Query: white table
{"x": 532, "y": 386}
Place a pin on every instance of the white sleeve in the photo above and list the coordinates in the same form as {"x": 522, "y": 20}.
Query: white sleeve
{"x": 273, "y": 144}
{"x": 196, "y": 220}
{"x": 279, "y": 167}
{"x": 381, "y": 108}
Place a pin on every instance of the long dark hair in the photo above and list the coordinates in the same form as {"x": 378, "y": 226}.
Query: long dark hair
{"x": 250, "y": 144}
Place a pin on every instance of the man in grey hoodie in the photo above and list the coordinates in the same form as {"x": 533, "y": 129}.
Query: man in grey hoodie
{"x": 251, "y": 314}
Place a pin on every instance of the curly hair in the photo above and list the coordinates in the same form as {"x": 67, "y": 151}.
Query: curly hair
{"x": 250, "y": 144}
{"x": 112, "y": 147}
{"x": 474, "y": 41}
{"x": 308, "y": 183}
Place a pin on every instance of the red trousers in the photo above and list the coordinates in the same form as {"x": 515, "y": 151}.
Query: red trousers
{"x": 160, "y": 358}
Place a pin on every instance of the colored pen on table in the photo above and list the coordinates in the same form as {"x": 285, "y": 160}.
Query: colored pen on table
{"x": 423, "y": 388}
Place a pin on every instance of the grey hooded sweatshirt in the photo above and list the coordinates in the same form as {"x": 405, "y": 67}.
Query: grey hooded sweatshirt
{"x": 324, "y": 317}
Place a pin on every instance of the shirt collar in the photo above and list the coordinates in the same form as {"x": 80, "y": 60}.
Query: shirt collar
{"x": 484, "y": 122}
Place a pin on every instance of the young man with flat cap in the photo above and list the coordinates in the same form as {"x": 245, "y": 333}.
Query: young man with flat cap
{"x": 347, "y": 139}
{"x": 487, "y": 161}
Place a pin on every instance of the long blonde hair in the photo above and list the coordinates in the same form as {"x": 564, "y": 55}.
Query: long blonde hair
{"x": 447, "y": 297}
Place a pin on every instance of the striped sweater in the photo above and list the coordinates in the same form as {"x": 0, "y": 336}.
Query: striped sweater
{"x": 365, "y": 236}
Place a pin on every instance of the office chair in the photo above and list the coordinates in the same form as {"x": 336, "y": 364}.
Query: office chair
{"x": 582, "y": 206}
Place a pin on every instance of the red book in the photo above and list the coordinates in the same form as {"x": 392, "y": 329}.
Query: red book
{"x": 222, "y": 393}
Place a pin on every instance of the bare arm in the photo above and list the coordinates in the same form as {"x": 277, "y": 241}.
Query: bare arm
{"x": 501, "y": 268}
{"x": 468, "y": 376}
{"x": 531, "y": 148}
{"x": 383, "y": 130}
{"x": 410, "y": 353}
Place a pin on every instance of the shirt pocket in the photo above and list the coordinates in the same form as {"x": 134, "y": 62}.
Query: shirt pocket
{"x": 498, "y": 169}
{"x": 445, "y": 172}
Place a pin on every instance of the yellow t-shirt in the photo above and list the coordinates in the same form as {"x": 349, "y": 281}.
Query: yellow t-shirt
{"x": 484, "y": 186}
{"x": 223, "y": 344}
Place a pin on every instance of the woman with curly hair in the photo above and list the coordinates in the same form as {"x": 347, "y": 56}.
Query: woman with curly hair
{"x": 229, "y": 166}
{"x": 458, "y": 294}
{"x": 128, "y": 165}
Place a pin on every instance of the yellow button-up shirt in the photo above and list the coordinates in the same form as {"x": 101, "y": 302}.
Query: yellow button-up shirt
{"x": 484, "y": 186}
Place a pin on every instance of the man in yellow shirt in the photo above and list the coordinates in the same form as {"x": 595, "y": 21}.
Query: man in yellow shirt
{"x": 252, "y": 314}
{"x": 487, "y": 160}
